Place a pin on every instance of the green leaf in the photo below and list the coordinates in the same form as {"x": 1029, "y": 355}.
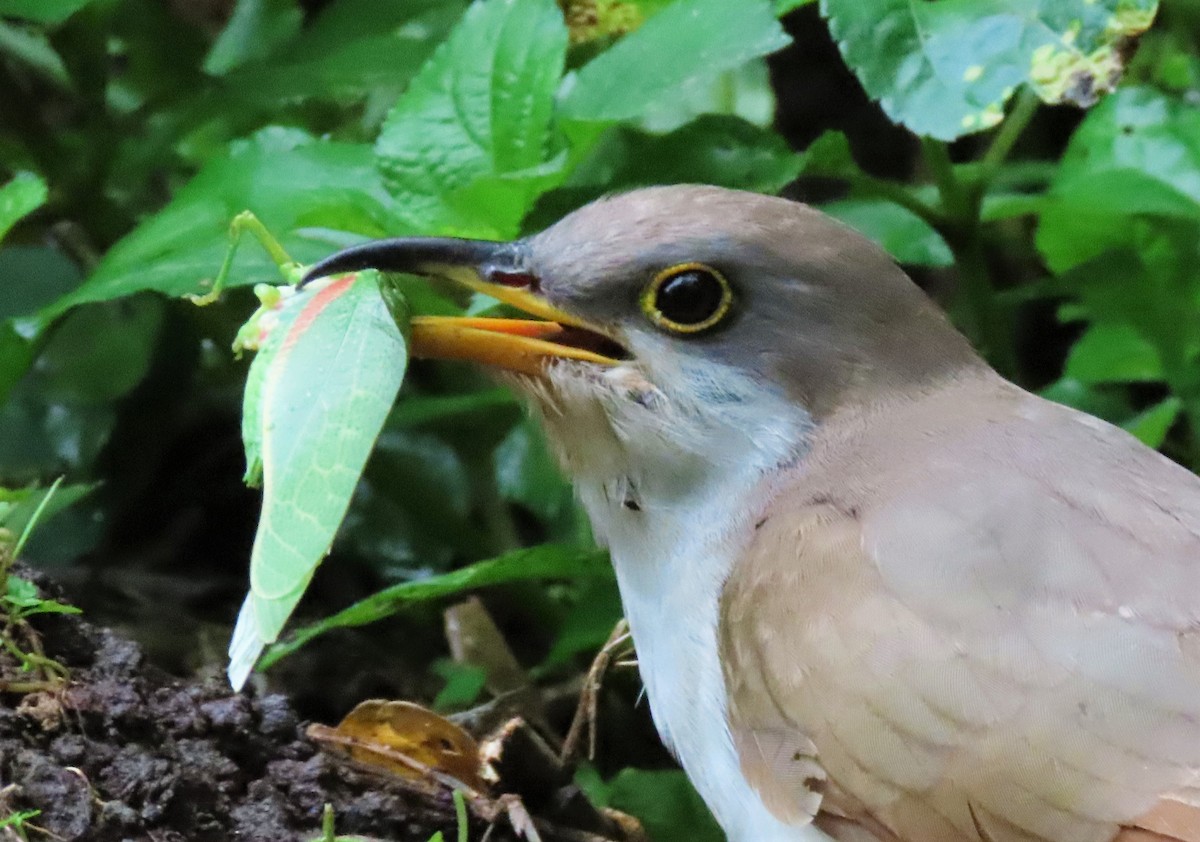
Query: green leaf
{"x": 464, "y": 684}
{"x": 527, "y": 474}
{"x": 349, "y": 22}
{"x": 548, "y": 561}
{"x": 18, "y": 507}
{"x": 907, "y": 237}
{"x": 687, "y": 42}
{"x": 16, "y": 355}
{"x": 1108, "y": 402}
{"x": 21, "y": 592}
{"x": 588, "y": 625}
{"x": 782, "y": 7}
{"x": 289, "y": 182}
{"x": 32, "y": 48}
{"x": 41, "y": 11}
{"x": 744, "y": 91}
{"x": 33, "y": 277}
{"x": 1113, "y": 353}
{"x": 665, "y": 803}
{"x": 466, "y": 149}
{"x": 1152, "y": 425}
{"x": 39, "y": 436}
{"x": 466, "y": 410}
{"x": 97, "y": 354}
{"x": 255, "y": 28}
{"x": 998, "y": 206}
{"x": 334, "y": 363}
{"x": 947, "y": 68}
{"x": 24, "y": 600}
{"x": 714, "y": 149}
{"x": 830, "y": 156}
{"x": 20, "y": 197}
{"x": 60, "y": 413}
{"x": 414, "y": 505}
{"x": 355, "y": 49}
{"x": 17, "y": 819}
{"x": 1150, "y": 288}
{"x": 1136, "y": 154}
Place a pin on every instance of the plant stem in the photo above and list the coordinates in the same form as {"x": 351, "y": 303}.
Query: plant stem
{"x": 1002, "y": 144}
{"x": 962, "y": 230}
{"x": 955, "y": 199}
{"x": 898, "y": 194}
{"x": 30, "y": 525}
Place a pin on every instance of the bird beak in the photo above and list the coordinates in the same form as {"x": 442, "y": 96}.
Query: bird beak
{"x": 525, "y": 346}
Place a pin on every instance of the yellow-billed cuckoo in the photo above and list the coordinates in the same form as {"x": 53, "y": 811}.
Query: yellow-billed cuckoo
{"x": 877, "y": 591}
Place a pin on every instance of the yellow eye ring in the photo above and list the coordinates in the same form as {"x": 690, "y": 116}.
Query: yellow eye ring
{"x": 687, "y": 298}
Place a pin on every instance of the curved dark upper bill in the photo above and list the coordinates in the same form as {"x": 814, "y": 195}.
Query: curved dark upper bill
{"x": 424, "y": 256}
{"x": 492, "y": 268}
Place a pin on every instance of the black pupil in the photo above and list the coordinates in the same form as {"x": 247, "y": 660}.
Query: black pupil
{"x": 690, "y": 297}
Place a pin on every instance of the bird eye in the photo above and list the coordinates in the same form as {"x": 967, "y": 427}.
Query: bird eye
{"x": 687, "y": 298}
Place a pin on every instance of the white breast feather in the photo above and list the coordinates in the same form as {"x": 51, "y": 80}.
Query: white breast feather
{"x": 684, "y": 472}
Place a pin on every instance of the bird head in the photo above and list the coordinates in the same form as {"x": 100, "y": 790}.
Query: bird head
{"x": 671, "y": 323}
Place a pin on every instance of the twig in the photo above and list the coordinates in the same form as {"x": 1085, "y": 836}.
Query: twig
{"x": 585, "y": 713}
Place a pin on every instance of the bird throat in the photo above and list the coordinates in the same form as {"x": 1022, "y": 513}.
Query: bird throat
{"x": 669, "y": 481}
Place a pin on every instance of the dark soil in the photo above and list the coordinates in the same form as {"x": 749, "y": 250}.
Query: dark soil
{"x": 126, "y": 752}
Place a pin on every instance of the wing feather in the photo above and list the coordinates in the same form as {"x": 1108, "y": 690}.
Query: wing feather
{"x": 983, "y": 624}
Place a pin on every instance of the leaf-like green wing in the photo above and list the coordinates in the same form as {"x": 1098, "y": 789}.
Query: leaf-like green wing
{"x": 321, "y": 387}
{"x": 946, "y": 69}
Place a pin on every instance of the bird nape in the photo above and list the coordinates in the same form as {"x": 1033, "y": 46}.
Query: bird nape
{"x": 877, "y": 591}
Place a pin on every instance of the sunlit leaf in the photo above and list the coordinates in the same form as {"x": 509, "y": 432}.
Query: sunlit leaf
{"x": 1113, "y": 353}
{"x": 466, "y": 149}
{"x": 947, "y": 68}
{"x": 689, "y": 40}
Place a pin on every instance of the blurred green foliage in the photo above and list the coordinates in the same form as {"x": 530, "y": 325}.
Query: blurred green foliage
{"x": 133, "y": 131}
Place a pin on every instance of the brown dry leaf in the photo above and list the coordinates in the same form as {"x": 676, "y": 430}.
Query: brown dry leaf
{"x": 406, "y": 740}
